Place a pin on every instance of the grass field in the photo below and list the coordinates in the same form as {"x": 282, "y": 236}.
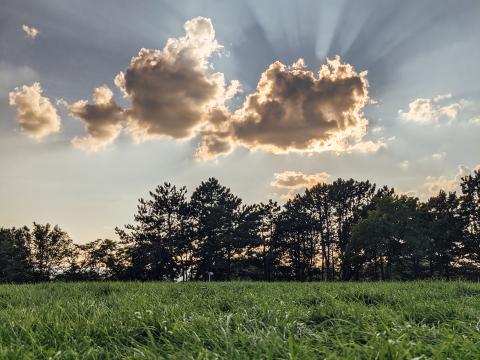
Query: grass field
{"x": 240, "y": 320}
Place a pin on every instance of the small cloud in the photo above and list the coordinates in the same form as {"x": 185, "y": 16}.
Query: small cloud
{"x": 439, "y": 156}
{"x": 366, "y": 146}
{"x": 35, "y": 113}
{"x": 294, "y": 181}
{"x": 434, "y": 184}
{"x": 475, "y": 120}
{"x": 410, "y": 193}
{"x": 439, "y": 98}
{"x": 404, "y": 164}
{"x": 377, "y": 129}
{"x": 425, "y": 111}
{"x": 61, "y": 102}
{"x": 30, "y": 31}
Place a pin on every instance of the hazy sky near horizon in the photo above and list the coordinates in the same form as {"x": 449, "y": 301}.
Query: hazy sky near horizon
{"x": 175, "y": 115}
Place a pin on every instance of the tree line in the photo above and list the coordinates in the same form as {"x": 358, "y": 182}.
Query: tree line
{"x": 347, "y": 230}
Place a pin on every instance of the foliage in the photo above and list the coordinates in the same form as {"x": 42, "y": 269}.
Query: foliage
{"x": 346, "y": 230}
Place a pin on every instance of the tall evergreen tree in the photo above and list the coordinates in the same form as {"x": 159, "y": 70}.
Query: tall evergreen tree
{"x": 157, "y": 241}
{"x": 269, "y": 247}
{"x": 299, "y": 244}
{"x": 215, "y": 211}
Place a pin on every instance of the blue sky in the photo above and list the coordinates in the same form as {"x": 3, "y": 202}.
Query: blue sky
{"x": 412, "y": 50}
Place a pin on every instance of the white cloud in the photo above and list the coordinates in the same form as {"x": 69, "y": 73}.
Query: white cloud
{"x": 425, "y": 111}
{"x": 297, "y": 180}
{"x": 434, "y": 184}
{"x": 475, "y": 120}
{"x": 440, "y": 155}
{"x": 30, "y": 31}
{"x": 35, "y": 113}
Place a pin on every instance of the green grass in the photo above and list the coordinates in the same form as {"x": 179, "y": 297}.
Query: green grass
{"x": 240, "y": 320}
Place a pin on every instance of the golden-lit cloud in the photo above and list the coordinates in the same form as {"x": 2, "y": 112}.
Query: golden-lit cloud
{"x": 434, "y": 184}
{"x": 173, "y": 90}
{"x": 475, "y": 120}
{"x": 30, "y": 31}
{"x": 175, "y": 93}
{"x": 296, "y": 181}
{"x": 295, "y": 109}
{"x": 35, "y": 113}
{"x": 103, "y": 120}
{"x": 293, "y": 180}
{"x": 425, "y": 111}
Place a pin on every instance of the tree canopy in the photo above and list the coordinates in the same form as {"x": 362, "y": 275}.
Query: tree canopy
{"x": 347, "y": 230}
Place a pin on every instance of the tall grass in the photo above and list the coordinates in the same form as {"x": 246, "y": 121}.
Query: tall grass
{"x": 240, "y": 320}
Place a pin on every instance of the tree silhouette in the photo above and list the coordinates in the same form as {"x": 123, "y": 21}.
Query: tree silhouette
{"x": 49, "y": 250}
{"x": 215, "y": 211}
{"x": 470, "y": 211}
{"x": 346, "y": 230}
{"x": 14, "y": 255}
{"x": 156, "y": 242}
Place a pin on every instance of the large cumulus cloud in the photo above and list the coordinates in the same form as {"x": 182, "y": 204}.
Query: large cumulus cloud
{"x": 35, "y": 113}
{"x": 173, "y": 90}
{"x": 103, "y": 120}
{"x": 294, "y": 109}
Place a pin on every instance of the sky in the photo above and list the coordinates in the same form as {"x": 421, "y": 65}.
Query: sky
{"x": 101, "y": 101}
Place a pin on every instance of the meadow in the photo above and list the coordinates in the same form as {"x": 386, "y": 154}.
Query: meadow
{"x": 240, "y": 320}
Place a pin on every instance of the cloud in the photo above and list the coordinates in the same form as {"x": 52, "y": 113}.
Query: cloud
{"x": 294, "y": 181}
{"x": 475, "y": 120}
{"x": 434, "y": 184}
{"x": 30, "y": 31}
{"x": 173, "y": 91}
{"x": 404, "y": 164}
{"x": 439, "y": 156}
{"x": 294, "y": 109}
{"x": 425, "y": 111}
{"x": 103, "y": 120}
{"x": 35, "y": 113}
